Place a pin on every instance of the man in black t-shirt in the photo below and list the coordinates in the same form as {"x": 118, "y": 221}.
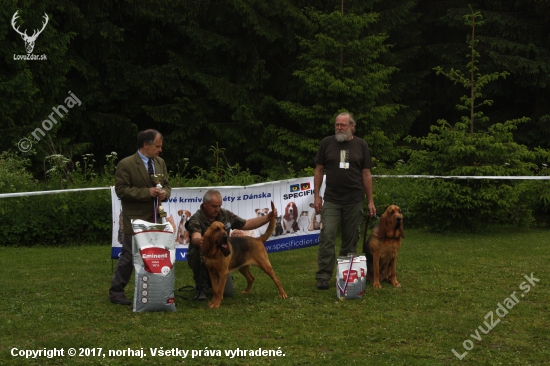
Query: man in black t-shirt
{"x": 345, "y": 160}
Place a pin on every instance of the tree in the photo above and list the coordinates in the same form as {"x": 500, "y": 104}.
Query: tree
{"x": 513, "y": 38}
{"x": 338, "y": 70}
{"x": 459, "y": 150}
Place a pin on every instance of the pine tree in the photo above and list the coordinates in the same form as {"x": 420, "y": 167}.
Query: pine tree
{"x": 338, "y": 71}
{"x": 462, "y": 150}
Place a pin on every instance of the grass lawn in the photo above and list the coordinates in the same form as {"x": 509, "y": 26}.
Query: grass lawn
{"x": 452, "y": 285}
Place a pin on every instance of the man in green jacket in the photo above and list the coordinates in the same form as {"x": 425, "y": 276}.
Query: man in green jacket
{"x": 138, "y": 195}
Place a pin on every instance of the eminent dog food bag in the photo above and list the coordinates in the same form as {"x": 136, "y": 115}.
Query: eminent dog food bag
{"x": 154, "y": 251}
{"x": 351, "y": 276}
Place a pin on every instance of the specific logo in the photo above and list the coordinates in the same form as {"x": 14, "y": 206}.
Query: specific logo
{"x": 29, "y": 40}
{"x": 299, "y": 190}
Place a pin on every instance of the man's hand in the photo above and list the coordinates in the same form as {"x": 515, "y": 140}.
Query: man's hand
{"x": 157, "y": 192}
{"x": 196, "y": 239}
{"x": 318, "y": 204}
{"x": 372, "y": 209}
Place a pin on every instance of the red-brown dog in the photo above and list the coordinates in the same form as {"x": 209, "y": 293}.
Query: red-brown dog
{"x": 382, "y": 247}
{"x": 223, "y": 255}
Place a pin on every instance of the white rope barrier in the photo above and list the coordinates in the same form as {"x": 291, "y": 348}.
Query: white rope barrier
{"x": 509, "y": 177}
{"x": 39, "y": 193}
{"x": 517, "y": 177}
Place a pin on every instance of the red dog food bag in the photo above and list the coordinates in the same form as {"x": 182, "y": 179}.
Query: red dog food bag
{"x": 350, "y": 278}
{"x": 154, "y": 251}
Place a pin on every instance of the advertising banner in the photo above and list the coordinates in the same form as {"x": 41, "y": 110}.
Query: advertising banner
{"x": 297, "y": 226}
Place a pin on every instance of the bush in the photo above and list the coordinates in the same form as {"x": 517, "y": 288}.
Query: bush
{"x": 14, "y": 176}
{"x": 60, "y": 219}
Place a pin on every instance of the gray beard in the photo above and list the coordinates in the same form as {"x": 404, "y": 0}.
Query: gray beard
{"x": 341, "y": 137}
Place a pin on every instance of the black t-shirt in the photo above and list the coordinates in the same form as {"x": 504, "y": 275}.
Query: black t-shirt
{"x": 344, "y": 163}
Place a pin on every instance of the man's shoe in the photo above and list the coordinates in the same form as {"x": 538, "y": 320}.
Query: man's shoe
{"x": 201, "y": 295}
{"x": 120, "y": 299}
{"x": 322, "y": 284}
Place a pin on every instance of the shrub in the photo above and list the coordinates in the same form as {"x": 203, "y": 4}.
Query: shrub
{"x": 14, "y": 176}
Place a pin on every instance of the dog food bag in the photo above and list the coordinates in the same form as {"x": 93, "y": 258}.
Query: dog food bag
{"x": 154, "y": 252}
{"x": 348, "y": 279}
{"x": 360, "y": 265}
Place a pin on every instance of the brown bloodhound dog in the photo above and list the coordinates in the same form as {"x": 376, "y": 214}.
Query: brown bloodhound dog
{"x": 223, "y": 255}
{"x": 382, "y": 247}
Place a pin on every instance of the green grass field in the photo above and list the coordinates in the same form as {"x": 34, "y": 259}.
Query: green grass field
{"x": 56, "y": 298}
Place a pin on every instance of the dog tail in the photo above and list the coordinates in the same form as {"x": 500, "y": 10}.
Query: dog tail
{"x": 271, "y": 227}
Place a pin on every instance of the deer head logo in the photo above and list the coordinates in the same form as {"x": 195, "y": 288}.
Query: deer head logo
{"x": 29, "y": 41}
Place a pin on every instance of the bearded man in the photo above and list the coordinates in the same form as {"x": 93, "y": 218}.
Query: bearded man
{"x": 345, "y": 160}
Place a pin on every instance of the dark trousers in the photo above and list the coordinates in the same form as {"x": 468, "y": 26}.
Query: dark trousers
{"x": 350, "y": 216}
{"x": 124, "y": 268}
{"x": 200, "y": 273}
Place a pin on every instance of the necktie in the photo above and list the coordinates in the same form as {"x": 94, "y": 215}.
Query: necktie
{"x": 150, "y": 167}
{"x": 151, "y": 171}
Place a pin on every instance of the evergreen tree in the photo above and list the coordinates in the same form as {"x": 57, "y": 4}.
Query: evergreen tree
{"x": 338, "y": 70}
{"x": 515, "y": 38}
{"x": 462, "y": 150}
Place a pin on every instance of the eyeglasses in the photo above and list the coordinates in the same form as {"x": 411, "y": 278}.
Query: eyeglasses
{"x": 341, "y": 124}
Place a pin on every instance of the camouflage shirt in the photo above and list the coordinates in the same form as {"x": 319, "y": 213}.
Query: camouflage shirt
{"x": 199, "y": 223}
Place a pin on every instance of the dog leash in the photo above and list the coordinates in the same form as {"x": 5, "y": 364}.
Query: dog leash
{"x": 366, "y": 229}
{"x": 365, "y": 232}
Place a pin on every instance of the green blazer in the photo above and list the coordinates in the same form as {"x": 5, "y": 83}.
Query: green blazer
{"x": 132, "y": 183}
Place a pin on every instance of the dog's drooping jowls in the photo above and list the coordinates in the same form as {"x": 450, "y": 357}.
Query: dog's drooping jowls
{"x": 223, "y": 254}
{"x": 382, "y": 247}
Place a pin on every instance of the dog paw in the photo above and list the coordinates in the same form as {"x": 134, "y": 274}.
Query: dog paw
{"x": 283, "y": 295}
{"x": 213, "y": 305}
{"x": 377, "y": 285}
{"x": 396, "y": 284}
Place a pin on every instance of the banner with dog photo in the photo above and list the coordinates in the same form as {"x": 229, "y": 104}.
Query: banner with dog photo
{"x": 297, "y": 227}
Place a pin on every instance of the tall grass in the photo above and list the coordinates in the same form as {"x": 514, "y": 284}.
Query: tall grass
{"x": 53, "y": 297}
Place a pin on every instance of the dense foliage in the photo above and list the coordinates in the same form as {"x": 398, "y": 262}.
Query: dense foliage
{"x": 263, "y": 80}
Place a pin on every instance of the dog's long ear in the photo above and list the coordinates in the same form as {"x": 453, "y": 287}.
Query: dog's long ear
{"x": 401, "y": 232}
{"x": 383, "y": 226}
